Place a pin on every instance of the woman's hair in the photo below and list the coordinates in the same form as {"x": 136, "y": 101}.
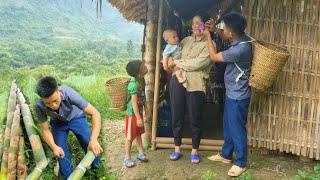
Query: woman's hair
{"x": 133, "y": 68}
{"x": 236, "y": 22}
{"x": 46, "y": 87}
{"x": 203, "y": 16}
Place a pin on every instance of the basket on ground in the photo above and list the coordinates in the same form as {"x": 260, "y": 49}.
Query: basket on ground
{"x": 268, "y": 61}
{"x": 117, "y": 90}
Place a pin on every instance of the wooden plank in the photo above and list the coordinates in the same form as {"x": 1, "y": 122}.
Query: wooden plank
{"x": 188, "y": 147}
{"x": 188, "y": 141}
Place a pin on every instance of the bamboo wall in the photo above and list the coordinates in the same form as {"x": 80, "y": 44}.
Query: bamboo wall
{"x": 287, "y": 116}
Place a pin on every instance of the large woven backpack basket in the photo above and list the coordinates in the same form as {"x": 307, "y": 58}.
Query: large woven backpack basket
{"x": 117, "y": 91}
{"x": 268, "y": 61}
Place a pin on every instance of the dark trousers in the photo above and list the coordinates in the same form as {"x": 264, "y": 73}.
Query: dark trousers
{"x": 235, "y": 131}
{"x": 79, "y": 126}
{"x": 180, "y": 100}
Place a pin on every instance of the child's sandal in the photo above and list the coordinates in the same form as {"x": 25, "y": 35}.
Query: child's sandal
{"x": 128, "y": 163}
{"x": 142, "y": 157}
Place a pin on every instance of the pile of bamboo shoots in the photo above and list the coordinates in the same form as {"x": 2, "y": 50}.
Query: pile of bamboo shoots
{"x": 13, "y": 164}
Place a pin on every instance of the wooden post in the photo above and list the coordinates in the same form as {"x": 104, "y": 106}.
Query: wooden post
{"x": 150, "y": 57}
{"x": 157, "y": 78}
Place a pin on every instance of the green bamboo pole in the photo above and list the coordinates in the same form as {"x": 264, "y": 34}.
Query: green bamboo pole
{"x": 36, "y": 145}
{"x": 82, "y": 167}
{"x": 11, "y": 108}
{"x": 22, "y": 167}
{"x": 3, "y": 112}
{"x": 14, "y": 145}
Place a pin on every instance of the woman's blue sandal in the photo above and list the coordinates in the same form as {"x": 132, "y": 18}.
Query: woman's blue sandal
{"x": 195, "y": 158}
{"x": 142, "y": 157}
{"x": 175, "y": 156}
{"x": 128, "y": 163}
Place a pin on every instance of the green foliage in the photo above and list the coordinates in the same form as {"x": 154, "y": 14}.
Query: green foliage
{"x": 3, "y": 106}
{"x": 209, "y": 175}
{"x": 245, "y": 176}
{"x": 303, "y": 175}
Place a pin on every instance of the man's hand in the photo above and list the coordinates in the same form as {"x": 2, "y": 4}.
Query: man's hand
{"x": 95, "y": 147}
{"x": 58, "y": 152}
{"x": 139, "y": 122}
{"x": 210, "y": 25}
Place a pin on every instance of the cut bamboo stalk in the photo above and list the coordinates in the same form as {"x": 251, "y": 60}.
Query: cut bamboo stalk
{"x": 157, "y": 74}
{"x": 188, "y": 141}
{"x": 11, "y": 108}
{"x": 307, "y": 91}
{"x": 36, "y": 145}
{"x": 14, "y": 145}
{"x": 22, "y": 167}
{"x": 82, "y": 167}
{"x": 315, "y": 64}
{"x": 303, "y": 86}
{"x": 290, "y": 79}
{"x": 295, "y": 78}
{"x": 188, "y": 147}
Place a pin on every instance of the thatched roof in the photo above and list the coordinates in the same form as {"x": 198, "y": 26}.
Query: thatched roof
{"x": 135, "y": 10}
{"x": 132, "y": 10}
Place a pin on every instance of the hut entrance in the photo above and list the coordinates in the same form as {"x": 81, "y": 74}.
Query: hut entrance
{"x": 179, "y": 19}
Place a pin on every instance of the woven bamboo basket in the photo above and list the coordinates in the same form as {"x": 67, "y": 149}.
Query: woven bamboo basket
{"x": 268, "y": 61}
{"x": 117, "y": 90}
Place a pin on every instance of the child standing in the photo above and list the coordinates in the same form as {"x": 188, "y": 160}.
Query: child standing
{"x": 134, "y": 121}
{"x": 172, "y": 49}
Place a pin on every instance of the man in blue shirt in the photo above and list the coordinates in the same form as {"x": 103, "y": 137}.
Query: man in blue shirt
{"x": 66, "y": 109}
{"x": 238, "y": 59}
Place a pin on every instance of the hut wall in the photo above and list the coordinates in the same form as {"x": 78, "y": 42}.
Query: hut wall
{"x": 287, "y": 116}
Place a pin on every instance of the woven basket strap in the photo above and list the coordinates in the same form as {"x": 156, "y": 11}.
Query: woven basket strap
{"x": 241, "y": 71}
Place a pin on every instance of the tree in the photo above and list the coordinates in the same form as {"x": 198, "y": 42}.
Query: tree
{"x": 130, "y": 47}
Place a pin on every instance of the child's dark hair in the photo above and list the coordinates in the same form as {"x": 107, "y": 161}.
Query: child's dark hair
{"x": 133, "y": 68}
{"x": 46, "y": 87}
{"x": 236, "y": 22}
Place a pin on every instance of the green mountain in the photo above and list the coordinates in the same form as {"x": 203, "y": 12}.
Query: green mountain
{"x": 40, "y": 37}
{"x": 63, "y": 19}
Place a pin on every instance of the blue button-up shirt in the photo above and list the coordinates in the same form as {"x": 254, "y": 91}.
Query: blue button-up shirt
{"x": 239, "y": 53}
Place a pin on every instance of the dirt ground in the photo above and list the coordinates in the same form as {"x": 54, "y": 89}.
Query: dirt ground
{"x": 276, "y": 166}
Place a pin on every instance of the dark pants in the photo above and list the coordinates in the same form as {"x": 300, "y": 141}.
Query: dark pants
{"x": 79, "y": 126}
{"x": 180, "y": 99}
{"x": 234, "y": 130}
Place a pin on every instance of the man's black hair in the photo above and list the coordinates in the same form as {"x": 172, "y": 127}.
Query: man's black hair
{"x": 236, "y": 22}
{"x": 133, "y": 67}
{"x": 46, "y": 87}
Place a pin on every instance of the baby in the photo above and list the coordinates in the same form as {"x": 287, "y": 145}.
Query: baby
{"x": 172, "y": 49}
